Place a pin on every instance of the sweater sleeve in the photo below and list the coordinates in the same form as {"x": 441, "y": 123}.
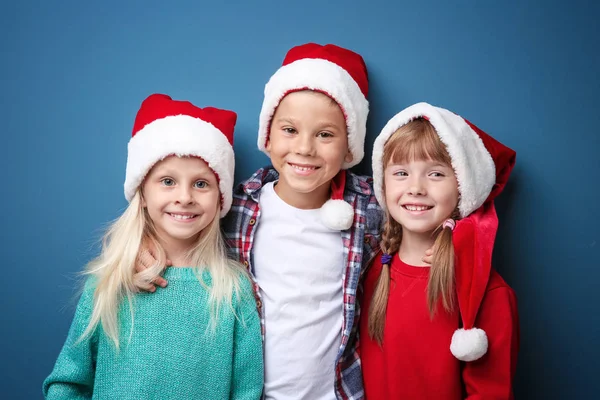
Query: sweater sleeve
{"x": 73, "y": 374}
{"x": 248, "y": 368}
{"x": 491, "y": 377}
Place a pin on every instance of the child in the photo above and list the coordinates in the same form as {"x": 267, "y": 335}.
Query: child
{"x": 198, "y": 338}
{"x": 306, "y": 227}
{"x": 437, "y": 175}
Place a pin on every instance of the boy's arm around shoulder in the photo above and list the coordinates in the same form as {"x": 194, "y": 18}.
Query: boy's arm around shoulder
{"x": 74, "y": 371}
{"x": 491, "y": 377}
{"x": 248, "y": 368}
{"x": 374, "y": 219}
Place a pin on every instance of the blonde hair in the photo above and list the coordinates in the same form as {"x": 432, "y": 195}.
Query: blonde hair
{"x": 116, "y": 280}
{"x": 417, "y": 140}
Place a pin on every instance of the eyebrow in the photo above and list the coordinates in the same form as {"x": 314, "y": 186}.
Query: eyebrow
{"x": 286, "y": 119}
{"x": 205, "y": 172}
{"x": 328, "y": 125}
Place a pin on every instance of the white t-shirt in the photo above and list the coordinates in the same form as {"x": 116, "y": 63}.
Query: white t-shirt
{"x": 298, "y": 265}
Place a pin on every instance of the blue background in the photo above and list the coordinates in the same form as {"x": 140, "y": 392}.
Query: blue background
{"x": 73, "y": 75}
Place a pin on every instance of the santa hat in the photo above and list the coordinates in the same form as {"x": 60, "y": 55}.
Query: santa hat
{"x": 482, "y": 166}
{"x": 165, "y": 127}
{"x": 338, "y": 73}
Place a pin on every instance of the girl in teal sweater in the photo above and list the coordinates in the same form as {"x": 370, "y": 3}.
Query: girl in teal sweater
{"x": 200, "y": 337}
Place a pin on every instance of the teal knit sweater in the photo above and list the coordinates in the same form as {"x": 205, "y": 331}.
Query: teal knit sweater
{"x": 172, "y": 353}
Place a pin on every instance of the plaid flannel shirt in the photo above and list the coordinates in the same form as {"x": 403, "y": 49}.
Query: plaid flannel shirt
{"x": 361, "y": 244}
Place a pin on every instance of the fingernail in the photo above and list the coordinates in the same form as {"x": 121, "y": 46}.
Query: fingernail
{"x": 163, "y": 284}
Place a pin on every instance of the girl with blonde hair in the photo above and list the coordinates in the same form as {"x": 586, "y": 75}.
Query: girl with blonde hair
{"x": 200, "y": 337}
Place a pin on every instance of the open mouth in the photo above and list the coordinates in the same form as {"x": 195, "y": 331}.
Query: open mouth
{"x": 183, "y": 216}
{"x": 303, "y": 167}
{"x": 413, "y": 207}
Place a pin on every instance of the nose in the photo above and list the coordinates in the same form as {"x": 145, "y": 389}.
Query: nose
{"x": 184, "y": 195}
{"x": 416, "y": 188}
{"x": 305, "y": 145}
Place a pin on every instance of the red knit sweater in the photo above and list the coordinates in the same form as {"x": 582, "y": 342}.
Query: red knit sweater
{"x": 415, "y": 361}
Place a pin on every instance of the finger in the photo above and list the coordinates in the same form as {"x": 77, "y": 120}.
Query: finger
{"x": 158, "y": 281}
{"x": 142, "y": 261}
{"x": 149, "y": 287}
{"x": 148, "y": 258}
{"x": 429, "y": 252}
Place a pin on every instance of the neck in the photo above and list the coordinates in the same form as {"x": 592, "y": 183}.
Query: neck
{"x": 413, "y": 247}
{"x": 177, "y": 251}
{"x": 304, "y": 201}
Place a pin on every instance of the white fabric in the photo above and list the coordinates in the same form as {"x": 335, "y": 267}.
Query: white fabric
{"x": 298, "y": 265}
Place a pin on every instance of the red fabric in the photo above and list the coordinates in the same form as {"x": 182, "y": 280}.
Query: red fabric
{"x": 503, "y": 156}
{"x": 415, "y": 361}
{"x": 338, "y": 186}
{"x": 352, "y": 62}
{"x": 474, "y": 236}
{"x": 158, "y": 106}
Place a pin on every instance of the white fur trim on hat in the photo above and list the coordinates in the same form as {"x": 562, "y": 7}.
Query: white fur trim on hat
{"x": 472, "y": 163}
{"x": 469, "y": 344}
{"x": 180, "y": 135}
{"x": 323, "y": 76}
{"x": 337, "y": 214}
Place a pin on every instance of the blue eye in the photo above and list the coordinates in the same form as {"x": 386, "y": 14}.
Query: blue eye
{"x": 200, "y": 184}
{"x": 168, "y": 182}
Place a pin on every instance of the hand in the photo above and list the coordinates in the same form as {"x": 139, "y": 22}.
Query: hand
{"x": 428, "y": 259}
{"x": 146, "y": 258}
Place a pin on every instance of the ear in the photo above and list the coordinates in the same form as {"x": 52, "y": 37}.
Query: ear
{"x": 349, "y": 157}
{"x": 268, "y": 144}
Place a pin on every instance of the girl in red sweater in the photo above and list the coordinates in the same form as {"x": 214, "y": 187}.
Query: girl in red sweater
{"x": 449, "y": 330}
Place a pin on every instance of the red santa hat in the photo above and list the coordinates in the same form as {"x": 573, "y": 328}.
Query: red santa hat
{"x": 340, "y": 74}
{"x": 482, "y": 166}
{"x": 165, "y": 127}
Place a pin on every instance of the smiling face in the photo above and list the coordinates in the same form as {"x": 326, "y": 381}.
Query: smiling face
{"x": 420, "y": 185}
{"x": 181, "y": 196}
{"x": 308, "y": 145}
{"x": 420, "y": 195}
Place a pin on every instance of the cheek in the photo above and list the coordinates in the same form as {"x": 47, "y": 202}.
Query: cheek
{"x": 335, "y": 154}
{"x": 211, "y": 200}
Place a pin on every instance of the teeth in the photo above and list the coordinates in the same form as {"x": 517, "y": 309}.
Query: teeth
{"x": 299, "y": 168}
{"x": 416, "y": 208}
{"x": 179, "y": 216}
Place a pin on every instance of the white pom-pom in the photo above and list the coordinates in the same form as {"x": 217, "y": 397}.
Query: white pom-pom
{"x": 337, "y": 215}
{"x": 469, "y": 344}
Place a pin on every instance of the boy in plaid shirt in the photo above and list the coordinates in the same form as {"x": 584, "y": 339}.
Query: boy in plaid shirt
{"x": 306, "y": 227}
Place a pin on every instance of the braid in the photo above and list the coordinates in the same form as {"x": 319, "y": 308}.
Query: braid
{"x": 441, "y": 276}
{"x": 390, "y": 243}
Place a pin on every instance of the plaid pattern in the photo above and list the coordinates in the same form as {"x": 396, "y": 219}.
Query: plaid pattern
{"x": 361, "y": 244}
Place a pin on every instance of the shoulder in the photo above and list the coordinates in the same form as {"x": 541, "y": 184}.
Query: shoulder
{"x": 374, "y": 269}
{"x": 245, "y": 298}
{"x": 255, "y": 182}
{"x": 89, "y": 288}
{"x": 498, "y": 290}
{"x": 362, "y": 186}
